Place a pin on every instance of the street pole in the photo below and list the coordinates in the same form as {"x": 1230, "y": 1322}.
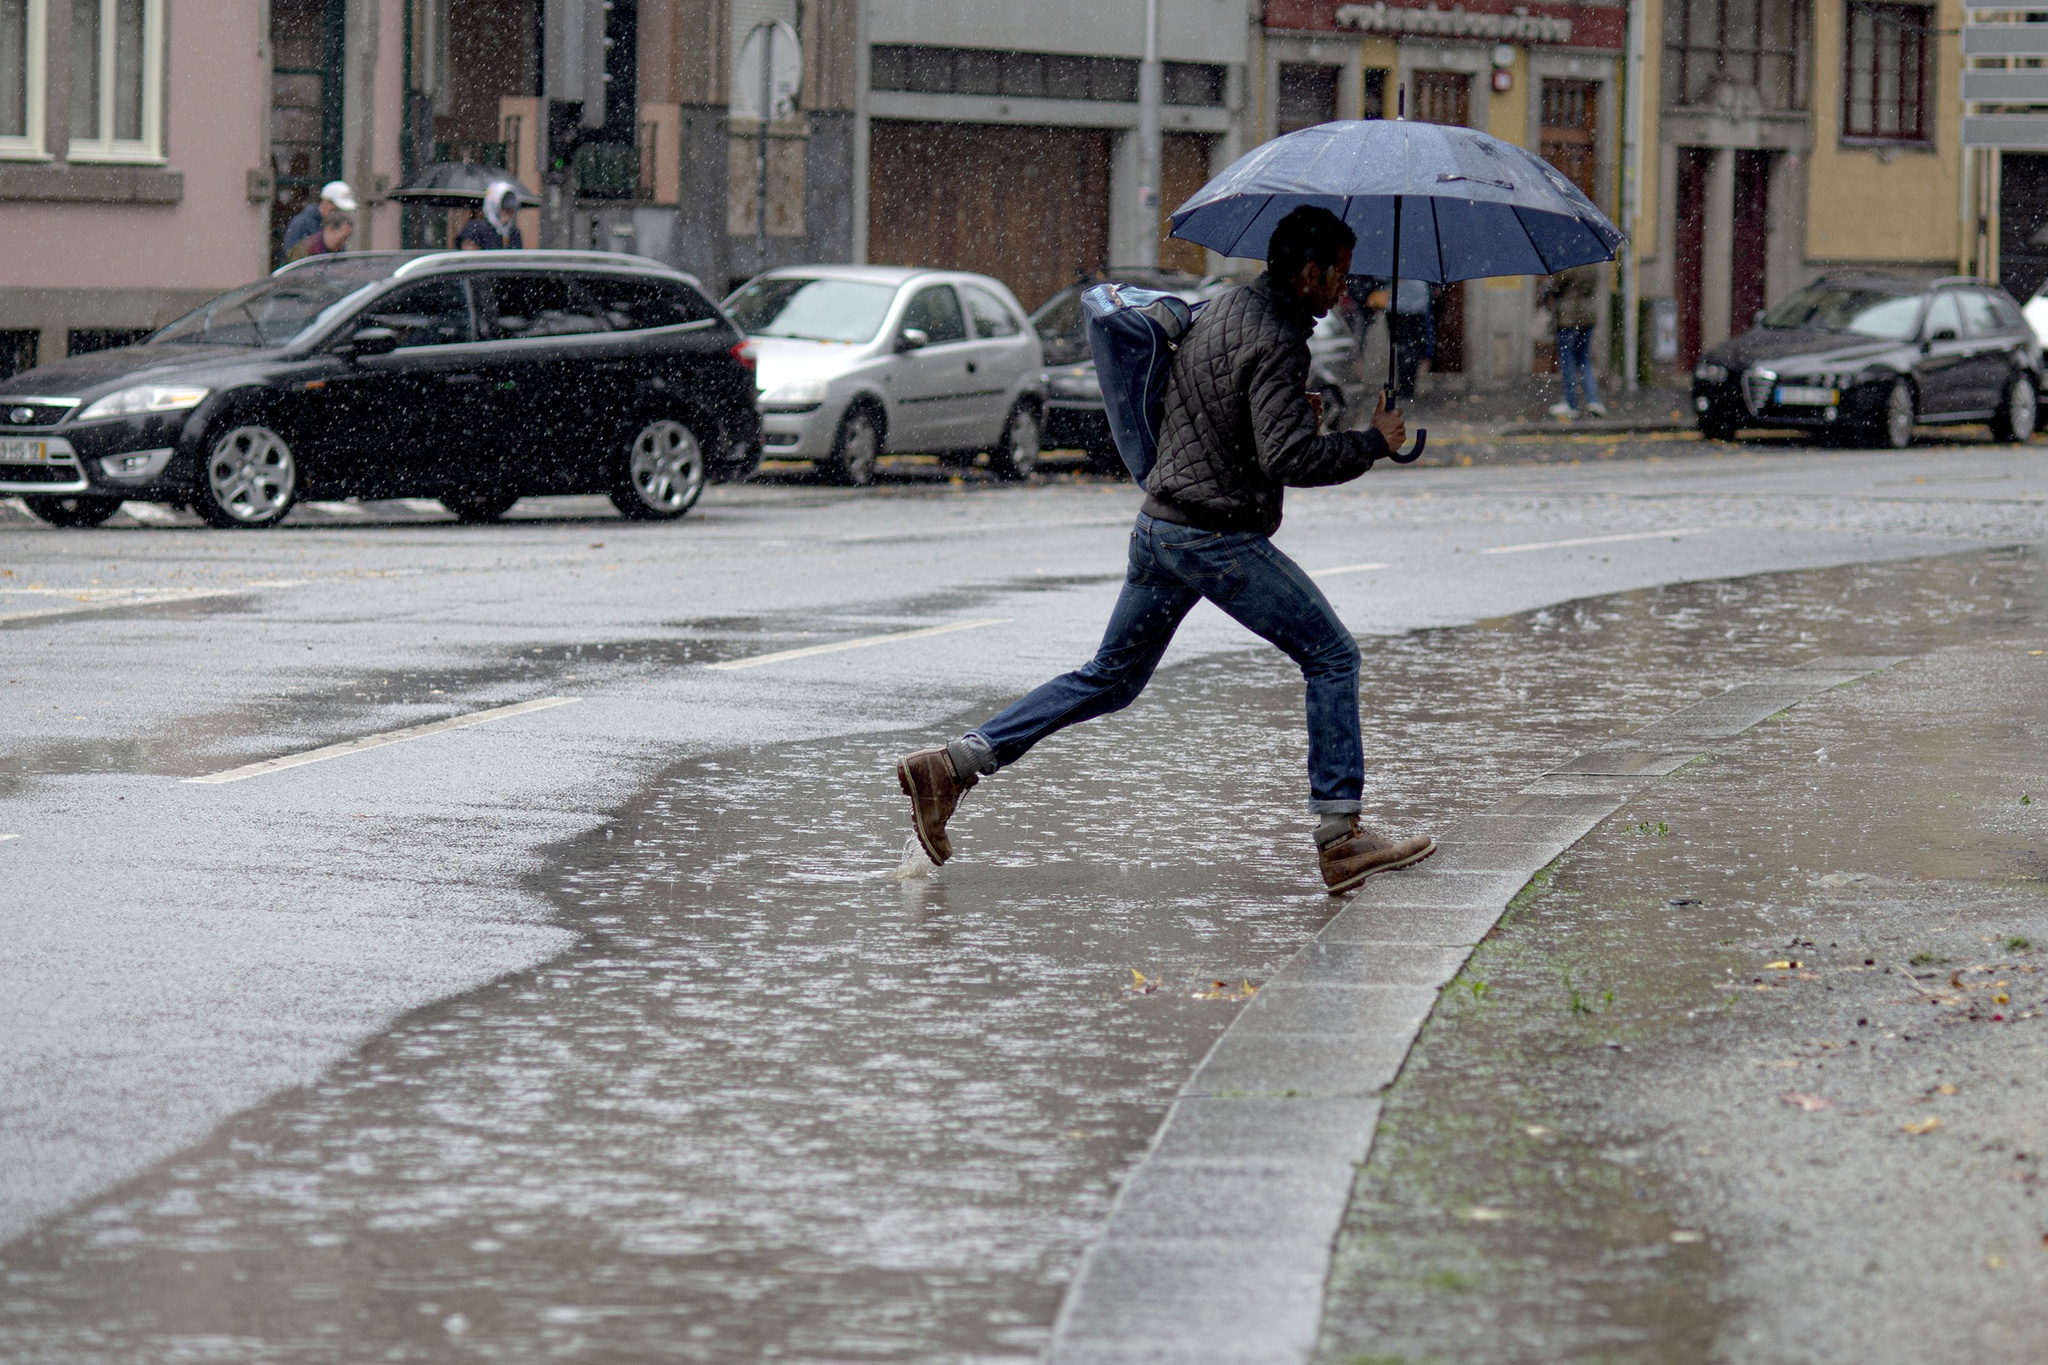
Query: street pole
{"x": 1632, "y": 201}
{"x": 766, "y": 28}
{"x": 1150, "y": 91}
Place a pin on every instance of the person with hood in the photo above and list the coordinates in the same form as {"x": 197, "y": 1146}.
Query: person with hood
{"x": 1237, "y": 431}
{"x": 493, "y": 229}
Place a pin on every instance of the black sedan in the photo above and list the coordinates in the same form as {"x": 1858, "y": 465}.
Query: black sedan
{"x": 1869, "y": 356}
{"x": 472, "y": 377}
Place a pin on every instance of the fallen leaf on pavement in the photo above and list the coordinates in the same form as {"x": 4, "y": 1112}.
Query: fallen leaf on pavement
{"x": 1812, "y": 1104}
{"x": 1685, "y": 1235}
{"x": 1926, "y": 1125}
{"x": 1483, "y": 1214}
{"x": 1944, "y": 1089}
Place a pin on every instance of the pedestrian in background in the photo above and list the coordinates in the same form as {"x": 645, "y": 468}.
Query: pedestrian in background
{"x": 1412, "y": 327}
{"x": 337, "y": 201}
{"x": 493, "y": 229}
{"x": 1237, "y": 431}
{"x": 1574, "y": 295}
{"x": 331, "y": 236}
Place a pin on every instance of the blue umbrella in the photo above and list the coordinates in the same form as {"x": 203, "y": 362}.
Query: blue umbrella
{"x": 1428, "y": 201}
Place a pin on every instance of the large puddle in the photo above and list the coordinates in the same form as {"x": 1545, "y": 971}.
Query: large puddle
{"x": 777, "y": 1104}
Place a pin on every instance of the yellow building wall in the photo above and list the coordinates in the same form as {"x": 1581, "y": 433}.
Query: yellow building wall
{"x": 1859, "y": 208}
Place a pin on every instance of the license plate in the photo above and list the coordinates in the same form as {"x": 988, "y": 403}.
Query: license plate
{"x": 1806, "y": 396}
{"x": 17, "y": 451}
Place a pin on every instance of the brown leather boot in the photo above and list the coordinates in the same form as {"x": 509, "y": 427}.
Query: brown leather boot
{"x": 927, "y": 779}
{"x": 1348, "y": 861}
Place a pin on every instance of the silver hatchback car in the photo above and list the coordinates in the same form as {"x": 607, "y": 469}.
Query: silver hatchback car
{"x": 855, "y": 360}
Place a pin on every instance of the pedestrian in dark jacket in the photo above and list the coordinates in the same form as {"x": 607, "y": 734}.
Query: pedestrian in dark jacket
{"x": 1238, "y": 429}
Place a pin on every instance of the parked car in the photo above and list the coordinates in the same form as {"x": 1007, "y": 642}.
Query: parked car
{"x": 475, "y": 378}
{"x": 1074, "y": 415}
{"x": 858, "y": 360}
{"x": 1870, "y": 355}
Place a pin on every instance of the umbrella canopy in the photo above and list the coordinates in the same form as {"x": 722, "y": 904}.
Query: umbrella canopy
{"x": 1468, "y": 204}
{"x": 458, "y": 185}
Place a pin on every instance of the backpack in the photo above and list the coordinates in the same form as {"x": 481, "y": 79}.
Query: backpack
{"x": 1133, "y": 334}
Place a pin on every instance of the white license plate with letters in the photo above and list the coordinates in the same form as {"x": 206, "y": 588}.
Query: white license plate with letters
{"x": 18, "y": 451}
{"x": 1806, "y": 396}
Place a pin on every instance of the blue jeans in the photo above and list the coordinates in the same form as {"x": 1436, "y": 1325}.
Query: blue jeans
{"x": 1575, "y": 358}
{"x": 1172, "y": 568}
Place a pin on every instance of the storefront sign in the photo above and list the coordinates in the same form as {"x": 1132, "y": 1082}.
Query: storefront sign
{"x": 1482, "y": 21}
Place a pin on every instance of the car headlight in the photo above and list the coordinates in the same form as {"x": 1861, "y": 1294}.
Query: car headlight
{"x": 144, "y": 398}
{"x": 1707, "y": 372}
{"x": 800, "y": 393}
{"x": 1075, "y": 383}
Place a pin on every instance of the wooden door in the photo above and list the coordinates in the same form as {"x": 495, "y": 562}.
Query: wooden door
{"x": 1749, "y": 255}
{"x": 1029, "y": 206}
{"x": 1446, "y": 97}
{"x": 1183, "y": 169}
{"x": 1569, "y": 141}
{"x": 1689, "y": 212}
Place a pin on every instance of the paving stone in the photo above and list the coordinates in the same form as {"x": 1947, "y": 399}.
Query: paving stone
{"x": 1629, "y": 762}
{"x": 1197, "y": 1300}
{"x": 1285, "y": 1006}
{"x": 1314, "y": 1130}
{"x": 1445, "y": 926}
{"x": 1855, "y": 665}
{"x": 1316, "y": 1065}
{"x": 1322, "y": 962}
{"x": 1448, "y": 889}
{"x": 1256, "y": 1201}
{"x": 1460, "y": 854}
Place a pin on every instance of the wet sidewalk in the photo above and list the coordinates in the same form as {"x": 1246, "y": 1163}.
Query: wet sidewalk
{"x": 1755, "y": 1071}
{"x": 779, "y": 1103}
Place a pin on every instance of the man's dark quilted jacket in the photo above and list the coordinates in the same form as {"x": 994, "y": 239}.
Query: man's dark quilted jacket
{"x": 1237, "y": 427}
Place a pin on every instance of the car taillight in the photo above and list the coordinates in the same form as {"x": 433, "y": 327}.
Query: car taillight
{"x": 743, "y": 352}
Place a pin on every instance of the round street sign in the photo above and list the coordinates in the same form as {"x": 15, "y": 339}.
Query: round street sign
{"x": 773, "y": 46}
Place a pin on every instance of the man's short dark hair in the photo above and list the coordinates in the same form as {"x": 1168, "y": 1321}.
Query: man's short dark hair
{"x": 1307, "y": 234}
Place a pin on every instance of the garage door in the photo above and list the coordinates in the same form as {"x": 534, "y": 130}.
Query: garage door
{"x": 1029, "y": 206}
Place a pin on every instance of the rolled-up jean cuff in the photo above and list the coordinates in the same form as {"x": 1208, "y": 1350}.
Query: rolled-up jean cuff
{"x": 1335, "y": 807}
{"x": 974, "y": 753}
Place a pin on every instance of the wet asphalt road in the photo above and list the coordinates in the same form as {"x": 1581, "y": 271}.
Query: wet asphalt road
{"x": 613, "y": 1007}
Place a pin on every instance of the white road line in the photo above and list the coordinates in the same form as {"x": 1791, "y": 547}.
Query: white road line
{"x": 336, "y": 509}
{"x": 1594, "y": 540}
{"x": 864, "y": 642}
{"x": 1343, "y": 568}
{"x": 152, "y": 514}
{"x": 356, "y": 746}
{"x": 424, "y": 505}
{"x": 113, "y": 599}
{"x": 5, "y": 837}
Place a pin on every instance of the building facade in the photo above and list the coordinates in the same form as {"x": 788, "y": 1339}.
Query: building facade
{"x": 150, "y": 154}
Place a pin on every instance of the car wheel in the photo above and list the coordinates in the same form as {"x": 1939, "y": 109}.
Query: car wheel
{"x": 1016, "y": 455}
{"x": 474, "y": 509}
{"x": 1717, "y": 428}
{"x": 250, "y": 479}
{"x": 856, "y": 450}
{"x": 76, "y": 511}
{"x": 2015, "y": 419}
{"x": 664, "y": 473}
{"x": 1896, "y": 432}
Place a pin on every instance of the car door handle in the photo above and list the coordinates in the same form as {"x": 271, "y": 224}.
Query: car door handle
{"x": 462, "y": 379}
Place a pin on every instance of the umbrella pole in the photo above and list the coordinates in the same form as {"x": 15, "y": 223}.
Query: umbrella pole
{"x": 1393, "y": 345}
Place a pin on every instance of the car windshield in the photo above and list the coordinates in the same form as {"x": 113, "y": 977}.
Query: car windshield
{"x": 1848, "y": 308}
{"x": 812, "y": 310}
{"x": 268, "y": 313}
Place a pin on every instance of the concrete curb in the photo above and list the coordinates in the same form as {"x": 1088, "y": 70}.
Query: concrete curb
{"x": 1219, "y": 1243}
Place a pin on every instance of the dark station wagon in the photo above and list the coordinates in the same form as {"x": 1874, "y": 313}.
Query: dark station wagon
{"x": 473, "y": 377}
{"x": 1868, "y": 357}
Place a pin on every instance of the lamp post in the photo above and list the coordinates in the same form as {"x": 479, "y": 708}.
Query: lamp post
{"x": 1150, "y": 83}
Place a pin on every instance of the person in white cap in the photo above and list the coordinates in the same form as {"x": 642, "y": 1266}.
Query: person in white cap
{"x": 337, "y": 202}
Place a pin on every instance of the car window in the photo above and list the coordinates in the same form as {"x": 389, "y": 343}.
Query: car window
{"x": 2009, "y": 315}
{"x": 1059, "y": 318}
{"x": 433, "y": 313}
{"x": 936, "y": 312}
{"x": 631, "y": 305}
{"x": 536, "y": 305}
{"x": 991, "y": 318}
{"x": 267, "y": 313}
{"x": 811, "y": 310}
{"x": 1943, "y": 316}
{"x": 1829, "y": 306}
{"x": 1979, "y": 317}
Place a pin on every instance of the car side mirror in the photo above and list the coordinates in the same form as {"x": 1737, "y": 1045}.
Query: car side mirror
{"x": 373, "y": 341}
{"x": 913, "y": 339}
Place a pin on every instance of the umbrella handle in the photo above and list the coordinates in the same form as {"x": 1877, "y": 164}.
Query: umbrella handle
{"x": 1421, "y": 435}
